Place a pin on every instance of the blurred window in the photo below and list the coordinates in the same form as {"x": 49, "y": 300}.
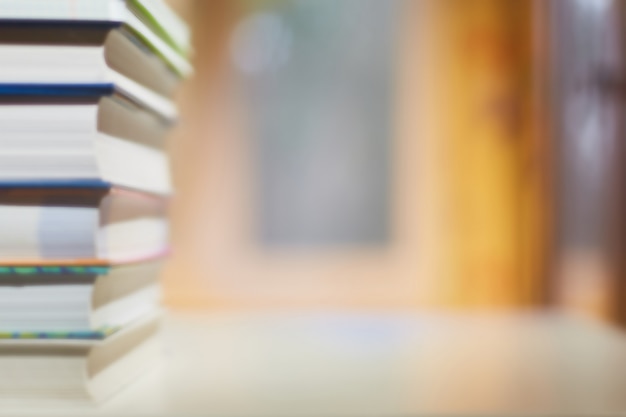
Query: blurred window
{"x": 318, "y": 79}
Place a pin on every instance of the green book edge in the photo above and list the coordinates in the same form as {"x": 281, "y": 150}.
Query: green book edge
{"x": 157, "y": 27}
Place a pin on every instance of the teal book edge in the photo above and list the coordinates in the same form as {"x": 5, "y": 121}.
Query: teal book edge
{"x": 52, "y": 270}
{"x": 99, "y": 334}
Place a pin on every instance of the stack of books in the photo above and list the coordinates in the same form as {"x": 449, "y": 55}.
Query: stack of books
{"x": 85, "y": 107}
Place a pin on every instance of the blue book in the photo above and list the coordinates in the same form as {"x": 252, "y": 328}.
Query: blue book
{"x": 82, "y": 133}
{"x": 84, "y": 59}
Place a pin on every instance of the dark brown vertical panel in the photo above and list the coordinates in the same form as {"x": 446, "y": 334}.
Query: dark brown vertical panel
{"x": 539, "y": 157}
{"x": 587, "y": 60}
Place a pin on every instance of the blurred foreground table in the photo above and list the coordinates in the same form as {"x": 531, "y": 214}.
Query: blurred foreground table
{"x": 343, "y": 364}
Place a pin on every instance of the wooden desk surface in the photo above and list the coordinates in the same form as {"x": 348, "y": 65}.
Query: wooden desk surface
{"x": 345, "y": 364}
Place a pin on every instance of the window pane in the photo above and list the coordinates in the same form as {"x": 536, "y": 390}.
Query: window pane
{"x": 318, "y": 79}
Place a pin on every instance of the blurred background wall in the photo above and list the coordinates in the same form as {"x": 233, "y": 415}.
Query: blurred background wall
{"x": 296, "y": 184}
{"x": 320, "y": 162}
{"x": 367, "y": 154}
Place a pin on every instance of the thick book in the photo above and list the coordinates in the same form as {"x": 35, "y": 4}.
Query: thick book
{"x": 75, "y": 302}
{"x": 150, "y": 20}
{"x": 47, "y": 372}
{"x": 55, "y": 223}
{"x": 53, "y": 53}
{"x": 84, "y": 133}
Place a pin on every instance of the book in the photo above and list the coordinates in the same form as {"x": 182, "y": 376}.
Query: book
{"x": 56, "y": 92}
{"x": 40, "y": 52}
{"x": 151, "y": 21}
{"x": 71, "y": 301}
{"x": 85, "y": 106}
{"x": 83, "y": 133}
{"x": 52, "y": 223}
{"x": 47, "y": 372}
